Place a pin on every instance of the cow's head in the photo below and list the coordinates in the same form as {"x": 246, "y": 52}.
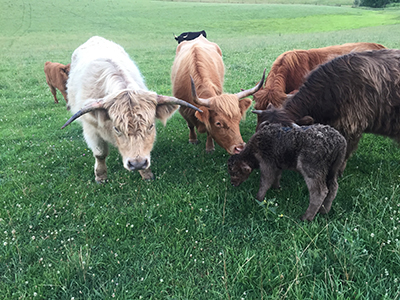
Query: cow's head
{"x": 132, "y": 127}
{"x": 238, "y": 169}
{"x": 279, "y": 115}
{"x": 269, "y": 95}
{"x": 221, "y": 116}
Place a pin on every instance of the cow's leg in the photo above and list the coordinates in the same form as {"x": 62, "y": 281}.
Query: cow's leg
{"x": 100, "y": 169}
{"x": 331, "y": 182}
{"x": 209, "y": 144}
{"x": 332, "y": 191}
{"x": 318, "y": 192}
{"x": 277, "y": 184}
{"x": 66, "y": 99}
{"x": 352, "y": 144}
{"x": 54, "y": 92}
{"x": 65, "y": 96}
{"x": 192, "y": 135}
{"x": 268, "y": 177}
{"x": 100, "y": 152}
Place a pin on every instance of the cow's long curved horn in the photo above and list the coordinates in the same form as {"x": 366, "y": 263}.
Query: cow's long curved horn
{"x": 88, "y": 108}
{"x": 172, "y": 100}
{"x": 258, "y": 112}
{"x": 197, "y": 100}
{"x": 249, "y": 92}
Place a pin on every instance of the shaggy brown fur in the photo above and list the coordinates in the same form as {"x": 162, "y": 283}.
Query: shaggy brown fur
{"x": 290, "y": 69}
{"x": 316, "y": 151}
{"x": 354, "y": 93}
{"x": 56, "y": 78}
{"x": 202, "y": 60}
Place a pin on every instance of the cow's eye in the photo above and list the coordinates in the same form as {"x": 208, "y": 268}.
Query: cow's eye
{"x": 117, "y": 131}
{"x": 151, "y": 126}
{"x": 218, "y": 124}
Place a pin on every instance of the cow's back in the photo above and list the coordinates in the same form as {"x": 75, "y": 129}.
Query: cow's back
{"x": 299, "y": 63}
{"x": 355, "y": 93}
{"x": 291, "y": 68}
{"x": 54, "y": 74}
{"x": 202, "y": 60}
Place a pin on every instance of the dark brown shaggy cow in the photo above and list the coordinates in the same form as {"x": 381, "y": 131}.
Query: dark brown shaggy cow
{"x": 290, "y": 69}
{"x": 56, "y": 78}
{"x": 354, "y": 93}
{"x": 317, "y": 152}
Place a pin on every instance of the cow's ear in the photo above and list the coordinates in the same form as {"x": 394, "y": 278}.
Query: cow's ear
{"x": 244, "y": 105}
{"x": 204, "y": 116}
{"x": 163, "y": 112}
{"x": 246, "y": 168}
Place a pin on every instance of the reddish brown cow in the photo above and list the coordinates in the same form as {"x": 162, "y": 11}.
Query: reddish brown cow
{"x": 221, "y": 113}
{"x": 290, "y": 69}
{"x": 56, "y": 78}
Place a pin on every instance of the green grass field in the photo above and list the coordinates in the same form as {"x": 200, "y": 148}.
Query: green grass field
{"x": 188, "y": 234}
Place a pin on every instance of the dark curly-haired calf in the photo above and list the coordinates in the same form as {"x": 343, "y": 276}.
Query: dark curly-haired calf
{"x": 316, "y": 151}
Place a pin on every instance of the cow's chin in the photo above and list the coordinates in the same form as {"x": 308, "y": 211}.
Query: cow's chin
{"x": 137, "y": 163}
{"x": 236, "y": 149}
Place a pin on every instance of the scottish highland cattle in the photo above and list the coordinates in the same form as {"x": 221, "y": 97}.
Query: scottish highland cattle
{"x": 107, "y": 91}
{"x": 221, "y": 113}
{"x": 188, "y": 36}
{"x": 56, "y": 78}
{"x": 291, "y": 68}
{"x": 354, "y": 93}
{"x": 316, "y": 151}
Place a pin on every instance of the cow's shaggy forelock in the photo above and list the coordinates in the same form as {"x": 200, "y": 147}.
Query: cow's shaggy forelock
{"x": 132, "y": 112}
{"x": 226, "y": 103}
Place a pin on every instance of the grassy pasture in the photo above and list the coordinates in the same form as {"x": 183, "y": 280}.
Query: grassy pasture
{"x": 188, "y": 234}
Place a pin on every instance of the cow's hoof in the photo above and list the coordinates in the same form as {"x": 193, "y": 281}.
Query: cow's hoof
{"x": 323, "y": 210}
{"x": 194, "y": 142}
{"x": 307, "y": 217}
{"x": 101, "y": 180}
{"x": 209, "y": 151}
{"x": 147, "y": 174}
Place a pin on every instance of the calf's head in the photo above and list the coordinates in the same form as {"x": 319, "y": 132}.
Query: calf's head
{"x": 129, "y": 119}
{"x": 221, "y": 116}
{"x": 238, "y": 169}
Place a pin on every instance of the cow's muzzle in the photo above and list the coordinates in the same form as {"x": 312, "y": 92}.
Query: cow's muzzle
{"x": 138, "y": 164}
{"x": 236, "y": 149}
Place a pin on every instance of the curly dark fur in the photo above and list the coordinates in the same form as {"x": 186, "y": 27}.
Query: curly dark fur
{"x": 316, "y": 151}
{"x": 354, "y": 93}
